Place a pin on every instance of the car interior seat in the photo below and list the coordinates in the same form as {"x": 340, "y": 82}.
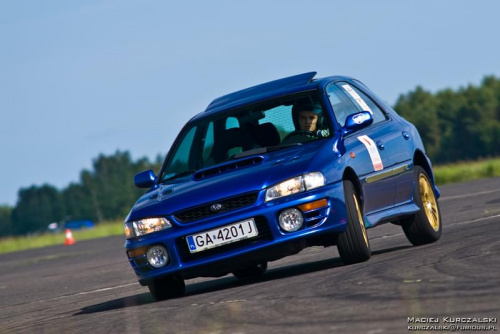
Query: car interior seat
{"x": 267, "y": 135}
{"x": 234, "y": 141}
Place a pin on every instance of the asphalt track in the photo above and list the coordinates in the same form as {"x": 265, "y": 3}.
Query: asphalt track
{"x": 90, "y": 288}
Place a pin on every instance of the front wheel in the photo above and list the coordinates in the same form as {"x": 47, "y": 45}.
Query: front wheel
{"x": 425, "y": 226}
{"x": 353, "y": 244}
{"x": 167, "y": 287}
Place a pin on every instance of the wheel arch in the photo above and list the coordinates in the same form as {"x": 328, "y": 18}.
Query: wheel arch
{"x": 350, "y": 174}
{"x": 419, "y": 159}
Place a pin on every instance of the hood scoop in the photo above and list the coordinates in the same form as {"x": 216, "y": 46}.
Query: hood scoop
{"x": 227, "y": 167}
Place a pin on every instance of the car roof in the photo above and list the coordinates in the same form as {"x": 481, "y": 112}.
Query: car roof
{"x": 289, "y": 85}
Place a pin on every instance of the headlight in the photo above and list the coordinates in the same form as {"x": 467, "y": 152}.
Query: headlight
{"x": 297, "y": 184}
{"x": 145, "y": 226}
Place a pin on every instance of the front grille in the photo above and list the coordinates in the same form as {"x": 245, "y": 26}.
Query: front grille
{"x": 264, "y": 234}
{"x": 228, "y": 204}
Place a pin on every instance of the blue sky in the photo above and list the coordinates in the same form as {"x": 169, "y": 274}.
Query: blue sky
{"x": 80, "y": 78}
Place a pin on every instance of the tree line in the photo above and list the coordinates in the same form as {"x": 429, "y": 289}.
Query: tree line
{"x": 462, "y": 124}
{"x": 104, "y": 193}
{"x": 456, "y": 125}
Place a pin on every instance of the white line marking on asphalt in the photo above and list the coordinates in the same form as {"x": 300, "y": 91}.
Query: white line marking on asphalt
{"x": 72, "y": 295}
{"x": 100, "y": 290}
{"x": 475, "y": 220}
{"x": 83, "y": 293}
{"x": 446, "y": 198}
{"x": 452, "y": 224}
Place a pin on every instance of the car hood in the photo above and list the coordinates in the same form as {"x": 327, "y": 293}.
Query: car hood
{"x": 249, "y": 174}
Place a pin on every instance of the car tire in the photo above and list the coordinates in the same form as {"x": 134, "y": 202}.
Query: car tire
{"x": 250, "y": 272}
{"x": 425, "y": 226}
{"x": 353, "y": 244}
{"x": 167, "y": 287}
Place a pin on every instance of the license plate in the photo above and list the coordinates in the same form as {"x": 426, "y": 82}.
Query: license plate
{"x": 221, "y": 236}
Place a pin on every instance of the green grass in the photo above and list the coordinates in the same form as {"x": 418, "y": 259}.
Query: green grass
{"x": 14, "y": 244}
{"x": 467, "y": 171}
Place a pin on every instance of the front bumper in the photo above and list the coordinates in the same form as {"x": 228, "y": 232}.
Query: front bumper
{"x": 320, "y": 225}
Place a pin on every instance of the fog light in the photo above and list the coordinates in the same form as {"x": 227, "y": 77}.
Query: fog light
{"x": 291, "y": 220}
{"x": 157, "y": 256}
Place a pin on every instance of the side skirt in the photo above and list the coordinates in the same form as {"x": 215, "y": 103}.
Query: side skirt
{"x": 390, "y": 215}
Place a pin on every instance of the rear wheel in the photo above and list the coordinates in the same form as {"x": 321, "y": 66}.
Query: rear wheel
{"x": 425, "y": 226}
{"x": 167, "y": 287}
{"x": 353, "y": 244}
{"x": 252, "y": 271}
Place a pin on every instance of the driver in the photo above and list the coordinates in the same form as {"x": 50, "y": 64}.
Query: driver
{"x": 307, "y": 116}
{"x": 307, "y": 119}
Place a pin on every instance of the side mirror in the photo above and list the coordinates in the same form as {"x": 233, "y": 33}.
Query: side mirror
{"x": 145, "y": 179}
{"x": 355, "y": 122}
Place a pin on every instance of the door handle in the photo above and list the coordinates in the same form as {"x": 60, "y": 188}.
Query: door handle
{"x": 380, "y": 145}
{"x": 405, "y": 135}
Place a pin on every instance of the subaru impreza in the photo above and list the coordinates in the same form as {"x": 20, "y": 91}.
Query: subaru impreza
{"x": 267, "y": 171}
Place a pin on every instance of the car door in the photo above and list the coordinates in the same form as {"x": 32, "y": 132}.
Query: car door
{"x": 402, "y": 172}
{"x": 373, "y": 152}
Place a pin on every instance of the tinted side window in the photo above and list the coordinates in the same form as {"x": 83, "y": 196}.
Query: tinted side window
{"x": 232, "y": 122}
{"x": 362, "y": 101}
{"x": 341, "y": 105}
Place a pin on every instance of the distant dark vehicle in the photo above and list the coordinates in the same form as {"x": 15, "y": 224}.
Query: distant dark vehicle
{"x": 78, "y": 224}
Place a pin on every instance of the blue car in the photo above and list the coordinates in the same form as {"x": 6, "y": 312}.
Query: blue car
{"x": 267, "y": 171}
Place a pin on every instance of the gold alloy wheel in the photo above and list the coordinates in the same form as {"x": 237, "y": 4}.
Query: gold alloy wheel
{"x": 360, "y": 218}
{"x": 429, "y": 202}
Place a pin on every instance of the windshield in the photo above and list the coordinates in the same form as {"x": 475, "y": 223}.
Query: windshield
{"x": 273, "y": 125}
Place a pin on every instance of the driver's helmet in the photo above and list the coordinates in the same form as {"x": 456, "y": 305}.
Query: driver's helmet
{"x": 306, "y": 105}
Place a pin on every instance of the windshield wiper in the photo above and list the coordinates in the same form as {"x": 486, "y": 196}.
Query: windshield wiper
{"x": 262, "y": 150}
{"x": 176, "y": 176}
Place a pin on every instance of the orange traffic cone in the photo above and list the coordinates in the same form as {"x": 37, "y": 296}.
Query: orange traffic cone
{"x": 69, "y": 238}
